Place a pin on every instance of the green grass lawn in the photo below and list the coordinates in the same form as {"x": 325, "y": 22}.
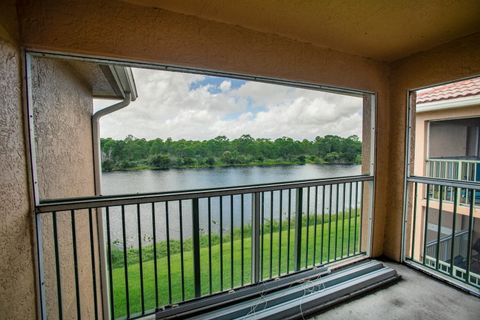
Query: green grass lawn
{"x": 342, "y": 237}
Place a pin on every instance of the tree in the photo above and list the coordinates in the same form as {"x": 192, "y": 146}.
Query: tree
{"x": 157, "y": 153}
{"x": 227, "y": 157}
{"x": 332, "y": 157}
{"x": 107, "y": 165}
{"x": 187, "y": 161}
{"x": 160, "y": 161}
{"x": 210, "y": 161}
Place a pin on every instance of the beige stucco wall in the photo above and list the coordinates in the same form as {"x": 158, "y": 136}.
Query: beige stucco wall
{"x": 121, "y": 30}
{"x": 17, "y": 281}
{"x": 62, "y": 109}
{"x": 161, "y": 36}
{"x": 455, "y": 60}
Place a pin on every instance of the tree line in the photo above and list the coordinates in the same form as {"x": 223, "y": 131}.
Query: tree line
{"x": 135, "y": 154}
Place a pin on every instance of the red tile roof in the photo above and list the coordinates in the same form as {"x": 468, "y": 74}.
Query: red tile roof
{"x": 460, "y": 89}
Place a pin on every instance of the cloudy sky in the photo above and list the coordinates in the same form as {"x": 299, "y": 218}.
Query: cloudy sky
{"x": 186, "y": 106}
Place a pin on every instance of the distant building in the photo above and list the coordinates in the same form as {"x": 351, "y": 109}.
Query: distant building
{"x": 447, "y": 146}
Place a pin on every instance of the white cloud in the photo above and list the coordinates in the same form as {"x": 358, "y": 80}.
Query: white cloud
{"x": 168, "y": 107}
{"x": 225, "y": 85}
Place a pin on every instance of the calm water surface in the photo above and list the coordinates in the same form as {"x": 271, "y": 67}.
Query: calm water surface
{"x": 122, "y": 182}
{"x": 181, "y": 179}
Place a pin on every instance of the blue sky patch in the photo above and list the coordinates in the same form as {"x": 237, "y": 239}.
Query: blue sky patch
{"x": 250, "y": 108}
{"x": 214, "y": 84}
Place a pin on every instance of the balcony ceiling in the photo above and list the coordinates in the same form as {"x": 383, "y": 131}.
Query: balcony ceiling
{"x": 383, "y": 30}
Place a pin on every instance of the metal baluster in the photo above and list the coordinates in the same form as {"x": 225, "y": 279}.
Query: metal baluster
{"x": 210, "y": 244}
{"x": 280, "y": 207}
{"x": 437, "y": 253}
{"x": 426, "y": 224}
{"x": 315, "y": 226}
{"x": 470, "y": 235}
{"x": 231, "y": 243}
{"x": 271, "y": 234}
{"x": 155, "y": 267}
{"x": 110, "y": 275}
{"x": 140, "y": 257}
{"x": 196, "y": 247}
{"x": 92, "y": 255}
{"x": 242, "y": 217}
{"x": 169, "y": 273}
{"x": 343, "y": 221}
{"x": 263, "y": 236}
{"x": 57, "y": 266}
{"x": 298, "y": 229}
{"x": 289, "y": 226}
{"x": 308, "y": 227}
{"x": 40, "y": 268}
{"x": 454, "y": 226}
{"x": 182, "y": 267}
{"x": 221, "y": 243}
{"x": 474, "y": 178}
{"x": 255, "y": 274}
{"x": 361, "y": 217}
{"x": 356, "y": 219}
{"x": 329, "y": 222}
{"x": 414, "y": 222}
{"x": 125, "y": 261}
{"x": 349, "y": 217}
{"x": 336, "y": 221}
{"x": 323, "y": 225}
{"x": 75, "y": 264}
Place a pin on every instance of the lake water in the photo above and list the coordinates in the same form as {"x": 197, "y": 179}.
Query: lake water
{"x": 128, "y": 182}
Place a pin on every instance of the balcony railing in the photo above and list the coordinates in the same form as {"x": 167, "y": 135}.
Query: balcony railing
{"x": 447, "y": 247}
{"x": 456, "y": 272}
{"x": 454, "y": 169}
{"x": 461, "y": 239}
{"x": 154, "y": 251}
{"x": 455, "y": 255}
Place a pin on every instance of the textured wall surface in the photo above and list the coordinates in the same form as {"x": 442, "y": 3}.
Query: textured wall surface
{"x": 151, "y": 35}
{"x": 449, "y": 62}
{"x": 62, "y": 104}
{"x": 161, "y": 36}
{"x": 17, "y": 279}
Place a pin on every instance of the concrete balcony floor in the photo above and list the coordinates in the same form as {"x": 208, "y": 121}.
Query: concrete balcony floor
{"x": 415, "y": 296}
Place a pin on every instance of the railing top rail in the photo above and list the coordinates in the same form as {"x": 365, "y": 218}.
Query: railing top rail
{"x": 139, "y": 198}
{"x": 446, "y": 182}
{"x": 452, "y": 160}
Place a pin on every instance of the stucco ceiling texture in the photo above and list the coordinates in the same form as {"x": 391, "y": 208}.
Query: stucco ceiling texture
{"x": 384, "y": 30}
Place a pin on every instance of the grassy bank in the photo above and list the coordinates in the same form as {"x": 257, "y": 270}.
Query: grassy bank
{"x": 342, "y": 235}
